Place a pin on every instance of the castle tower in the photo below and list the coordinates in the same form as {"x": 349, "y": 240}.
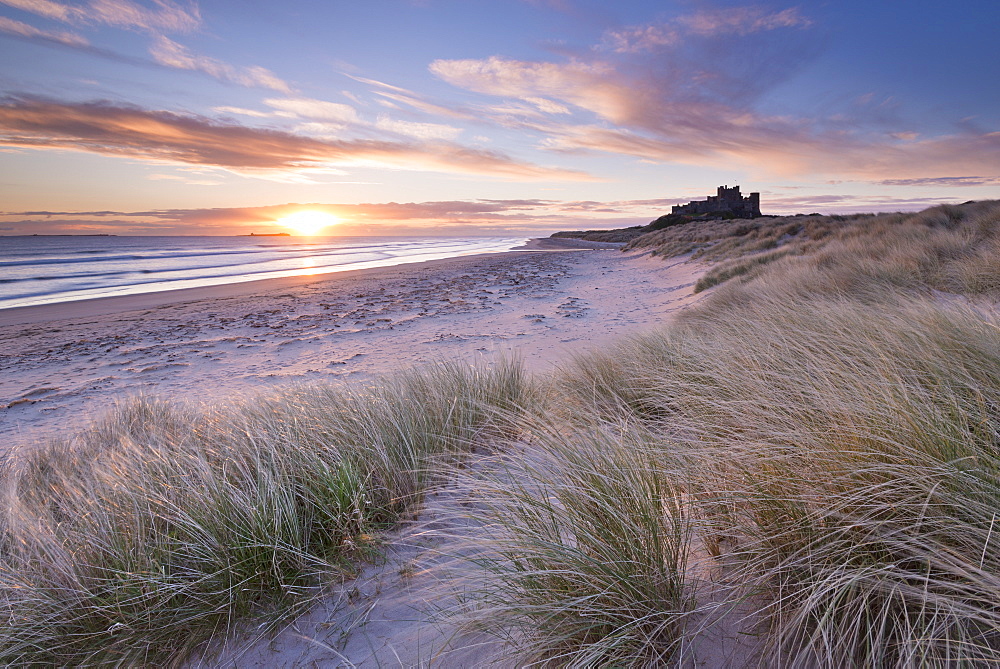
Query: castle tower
{"x": 726, "y": 200}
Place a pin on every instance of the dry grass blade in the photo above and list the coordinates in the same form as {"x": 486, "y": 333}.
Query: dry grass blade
{"x": 160, "y": 528}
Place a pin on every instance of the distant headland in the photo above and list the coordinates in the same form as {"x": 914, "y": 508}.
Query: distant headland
{"x": 268, "y": 234}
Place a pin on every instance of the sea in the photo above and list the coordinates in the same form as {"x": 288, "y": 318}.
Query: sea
{"x": 50, "y": 269}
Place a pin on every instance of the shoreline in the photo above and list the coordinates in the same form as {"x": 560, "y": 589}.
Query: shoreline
{"x": 103, "y": 306}
{"x": 66, "y": 364}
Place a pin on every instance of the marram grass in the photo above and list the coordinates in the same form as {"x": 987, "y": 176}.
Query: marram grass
{"x": 583, "y": 551}
{"x": 810, "y": 456}
{"x": 160, "y": 528}
{"x": 833, "y": 427}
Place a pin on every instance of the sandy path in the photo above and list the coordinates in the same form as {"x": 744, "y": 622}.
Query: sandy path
{"x": 390, "y": 615}
{"x": 57, "y": 374}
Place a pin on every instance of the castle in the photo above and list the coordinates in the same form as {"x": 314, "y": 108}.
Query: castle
{"x": 727, "y": 200}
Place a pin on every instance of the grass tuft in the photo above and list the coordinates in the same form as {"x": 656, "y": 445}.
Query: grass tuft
{"x": 160, "y": 528}
{"x": 584, "y": 553}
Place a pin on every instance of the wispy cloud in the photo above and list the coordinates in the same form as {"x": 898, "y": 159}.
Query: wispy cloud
{"x": 943, "y": 181}
{"x": 529, "y": 217}
{"x": 640, "y": 38}
{"x": 415, "y": 100}
{"x": 106, "y": 128}
{"x": 591, "y": 86}
{"x": 316, "y": 110}
{"x": 743, "y": 20}
{"x": 12, "y": 27}
{"x": 849, "y": 204}
{"x": 167, "y": 52}
{"x": 241, "y": 111}
{"x": 165, "y": 16}
{"x": 329, "y": 118}
{"x": 47, "y": 8}
{"x": 423, "y": 131}
{"x": 705, "y": 23}
{"x": 681, "y": 92}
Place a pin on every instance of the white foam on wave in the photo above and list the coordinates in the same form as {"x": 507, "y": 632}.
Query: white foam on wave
{"x": 46, "y": 270}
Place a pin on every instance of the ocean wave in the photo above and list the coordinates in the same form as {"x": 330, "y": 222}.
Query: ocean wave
{"x": 132, "y": 265}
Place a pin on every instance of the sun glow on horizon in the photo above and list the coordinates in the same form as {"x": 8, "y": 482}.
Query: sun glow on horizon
{"x": 308, "y": 222}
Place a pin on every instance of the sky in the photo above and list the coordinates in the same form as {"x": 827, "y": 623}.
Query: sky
{"x": 492, "y": 117}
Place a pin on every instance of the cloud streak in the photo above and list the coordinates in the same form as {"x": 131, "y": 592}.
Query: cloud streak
{"x": 19, "y": 29}
{"x": 315, "y": 110}
{"x": 169, "y": 53}
{"x": 681, "y": 93}
{"x": 529, "y": 217}
{"x": 706, "y": 23}
{"x": 412, "y": 99}
{"x": 943, "y": 181}
{"x": 326, "y": 118}
{"x": 168, "y": 16}
{"x": 110, "y": 129}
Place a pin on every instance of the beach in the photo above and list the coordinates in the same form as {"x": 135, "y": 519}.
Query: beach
{"x": 66, "y": 364}
{"x": 62, "y": 366}
{"x": 616, "y": 452}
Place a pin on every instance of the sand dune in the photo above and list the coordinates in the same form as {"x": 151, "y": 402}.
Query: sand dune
{"x": 62, "y": 365}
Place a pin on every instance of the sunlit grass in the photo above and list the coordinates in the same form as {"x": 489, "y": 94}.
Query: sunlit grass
{"x": 584, "y": 551}
{"x": 810, "y": 455}
{"x": 162, "y": 527}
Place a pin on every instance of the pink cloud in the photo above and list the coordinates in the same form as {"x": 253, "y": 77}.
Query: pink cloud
{"x": 46, "y": 8}
{"x": 531, "y": 217}
{"x": 167, "y": 16}
{"x": 12, "y": 27}
{"x": 784, "y": 148}
{"x": 742, "y": 21}
{"x": 640, "y": 38}
{"x": 167, "y": 52}
{"x": 590, "y": 86}
{"x": 317, "y": 110}
{"x": 527, "y": 217}
{"x": 943, "y": 181}
{"x": 679, "y": 92}
{"x": 847, "y": 204}
{"x": 696, "y": 112}
{"x": 414, "y": 100}
{"x": 106, "y": 128}
{"x": 705, "y": 23}
{"x": 422, "y": 131}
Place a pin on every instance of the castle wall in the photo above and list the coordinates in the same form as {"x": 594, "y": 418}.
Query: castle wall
{"x": 726, "y": 200}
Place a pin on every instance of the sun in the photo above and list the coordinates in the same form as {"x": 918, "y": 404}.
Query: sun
{"x": 308, "y": 222}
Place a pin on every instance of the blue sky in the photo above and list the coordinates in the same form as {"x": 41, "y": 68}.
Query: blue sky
{"x": 488, "y": 116}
